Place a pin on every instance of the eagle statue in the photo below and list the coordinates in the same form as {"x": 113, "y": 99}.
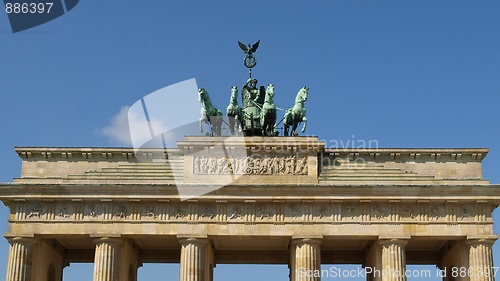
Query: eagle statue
{"x": 250, "y": 48}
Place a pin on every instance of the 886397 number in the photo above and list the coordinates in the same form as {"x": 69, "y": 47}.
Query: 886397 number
{"x": 28, "y": 8}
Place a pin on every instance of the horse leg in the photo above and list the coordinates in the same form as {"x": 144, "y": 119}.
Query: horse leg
{"x": 218, "y": 126}
{"x": 286, "y": 122}
{"x": 231, "y": 124}
{"x": 239, "y": 123}
{"x": 273, "y": 127}
{"x": 262, "y": 121}
{"x": 294, "y": 128}
{"x": 214, "y": 124}
{"x": 304, "y": 119}
{"x": 215, "y": 131}
{"x": 265, "y": 127}
{"x": 295, "y": 124}
{"x": 219, "y": 129}
{"x": 201, "y": 124}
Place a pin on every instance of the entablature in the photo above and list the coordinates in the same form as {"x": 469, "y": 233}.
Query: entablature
{"x": 249, "y": 161}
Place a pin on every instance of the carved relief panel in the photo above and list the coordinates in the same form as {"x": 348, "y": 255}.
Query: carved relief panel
{"x": 235, "y": 212}
{"x": 250, "y": 165}
{"x": 293, "y": 212}
{"x": 409, "y": 212}
{"x": 350, "y": 212}
{"x": 265, "y": 212}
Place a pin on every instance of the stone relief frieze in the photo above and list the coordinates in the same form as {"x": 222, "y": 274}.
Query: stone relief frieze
{"x": 437, "y": 212}
{"x": 264, "y": 213}
{"x": 321, "y": 212}
{"x": 350, "y": 212}
{"x": 466, "y": 213}
{"x": 409, "y": 213}
{"x": 121, "y": 212}
{"x": 92, "y": 211}
{"x": 35, "y": 211}
{"x": 380, "y": 212}
{"x": 206, "y": 212}
{"x": 179, "y": 212}
{"x": 63, "y": 213}
{"x": 150, "y": 212}
{"x": 292, "y": 212}
{"x": 250, "y": 165}
{"x": 235, "y": 213}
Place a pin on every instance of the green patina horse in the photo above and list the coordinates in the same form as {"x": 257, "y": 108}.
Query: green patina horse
{"x": 234, "y": 112}
{"x": 268, "y": 113}
{"x": 297, "y": 113}
{"x": 209, "y": 114}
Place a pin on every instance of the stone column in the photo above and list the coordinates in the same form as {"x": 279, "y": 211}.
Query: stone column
{"x": 305, "y": 260}
{"x": 393, "y": 259}
{"x": 193, "y": 263}
{"x": 480, "y": 260}
{"x": 20, "y": 259}
{"x": 106, "y": 259}
{"x": 129, "y": 260}
{"x": 373, "y": 261}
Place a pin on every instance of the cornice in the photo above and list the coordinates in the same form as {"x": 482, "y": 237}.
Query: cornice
{"x": 124, "y": 153}
{"x": 477, "y": 194}
{"x": 91, "y": 153}
{"x": 412, "y": 154}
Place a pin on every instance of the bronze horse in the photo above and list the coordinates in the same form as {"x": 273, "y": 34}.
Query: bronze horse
{"x": 209, "y": 114}
{"x": 297, "y": 113}
{"x": 234, "y": 113}
{"x": 268, "y": 113}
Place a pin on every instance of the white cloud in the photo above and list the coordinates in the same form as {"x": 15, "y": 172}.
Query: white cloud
{"x": 168, "y": 109}
{"x": 118, "y": 129}
{"x": 129, "y": 123}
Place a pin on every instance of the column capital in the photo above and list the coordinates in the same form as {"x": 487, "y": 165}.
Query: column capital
{"x": 193, "y": 240}
{"x": 301, "y": 241}
{"x": 23, "y": 240}
{"x": 393, "y": 241}
{"x": 108, "y": 240}
{"x": 471, "y": 241}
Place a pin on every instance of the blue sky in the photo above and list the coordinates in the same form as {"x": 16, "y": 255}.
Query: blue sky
{"x": 404, "y": 73}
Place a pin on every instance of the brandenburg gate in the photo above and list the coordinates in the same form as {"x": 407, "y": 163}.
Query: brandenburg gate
{"x": 290, "y": 201}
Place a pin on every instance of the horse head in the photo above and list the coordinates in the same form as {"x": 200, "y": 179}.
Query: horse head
{"x": 302, "y": 95}
{"x": 234, "y": 95}
{"x": 269, "y": 93}
{"x": 202, "y": 93}
{"x": 270, "y": 89}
